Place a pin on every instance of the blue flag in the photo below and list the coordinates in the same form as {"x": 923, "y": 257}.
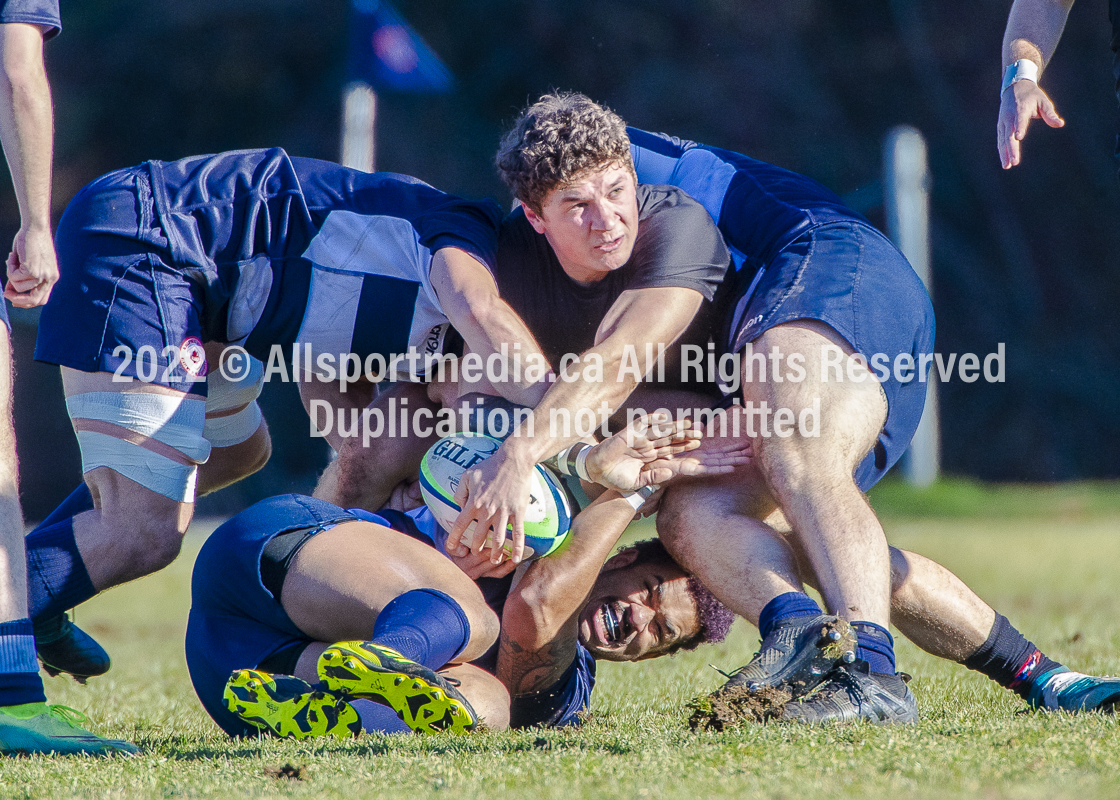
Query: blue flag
{"x": 387, "y": 54}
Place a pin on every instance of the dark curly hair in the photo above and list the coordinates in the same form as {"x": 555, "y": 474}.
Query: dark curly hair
{"x": 557, "y": 140}
{"x": 715, "y": 618}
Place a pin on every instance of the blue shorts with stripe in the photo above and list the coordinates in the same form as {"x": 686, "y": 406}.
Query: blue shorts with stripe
{"x": 120, "y": 303}
{"x": 235, "y": 622}
{"x": 849, "y": 276}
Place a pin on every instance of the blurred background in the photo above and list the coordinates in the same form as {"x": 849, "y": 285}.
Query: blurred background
{"x": 1028, "y": 257}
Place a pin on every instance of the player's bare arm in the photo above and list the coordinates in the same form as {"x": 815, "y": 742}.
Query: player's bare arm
{"x": 27, "y": 131}
{"x": 469, "y": 298}
{"x": 497, "y": 492}
{"x": 1033, "y": 30}
{"x": 539, "y": 622}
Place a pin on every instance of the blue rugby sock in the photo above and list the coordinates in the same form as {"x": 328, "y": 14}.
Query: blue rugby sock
{"x": 78, "y": 501}
{"x": 786, "y": 606}
{"x": 57, "y": 579}
{"x": 1009, "y": 659}
{"x": 875, "y": 645}
{"x": 377, "y": 718}
{"x": 19, "y": 669}
{"x": 424, "y": 625}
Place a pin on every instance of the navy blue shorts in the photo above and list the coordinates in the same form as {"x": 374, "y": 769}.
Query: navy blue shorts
{"x": 851, "y": 277}
{"x": 235, "y": 622}
{"x": 119, "y": 302}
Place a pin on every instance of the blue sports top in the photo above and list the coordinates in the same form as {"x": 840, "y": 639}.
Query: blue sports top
{"x": 295, "y": 249}
{"x": 758, "y": 207}
{"x": 33, "y": 12}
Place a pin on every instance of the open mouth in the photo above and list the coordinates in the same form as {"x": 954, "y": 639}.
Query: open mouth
{"x": 611, "y": 246}
{"x": 611, "y": 621}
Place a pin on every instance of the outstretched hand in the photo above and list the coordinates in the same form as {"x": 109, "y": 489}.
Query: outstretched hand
{"x": 1019, "y": 104}
{"x": 652, "y": 450}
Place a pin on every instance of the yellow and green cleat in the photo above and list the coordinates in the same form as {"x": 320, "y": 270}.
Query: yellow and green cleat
{"x": 424, "y": 700}
{"x": 288, "y": 707}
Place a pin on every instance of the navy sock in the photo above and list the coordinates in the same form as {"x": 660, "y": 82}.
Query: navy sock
{"x": 875, "y": 645}
{"x": 1009, "y": 659}
{"x": 377, "y": 718}
{"x": 424, "y": 625}
{"x": 19, "y": 670}
{"x": 78, "y": 501}
{"x": 786, "y": 606}
{"x": 57, "y": 579}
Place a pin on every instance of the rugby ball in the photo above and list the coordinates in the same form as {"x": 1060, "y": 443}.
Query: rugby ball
{"x": 548, "y": 517}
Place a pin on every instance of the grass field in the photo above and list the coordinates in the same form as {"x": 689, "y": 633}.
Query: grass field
{"x": 1046, "y": 558}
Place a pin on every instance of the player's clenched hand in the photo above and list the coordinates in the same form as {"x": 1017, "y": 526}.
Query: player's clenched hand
{"x": 32, "y": 268}
{"x": 1018, "y": 105}
{"x": 492, "y": 496}
{"x": 478, "y": 565}
{"x": 652, "y": 450}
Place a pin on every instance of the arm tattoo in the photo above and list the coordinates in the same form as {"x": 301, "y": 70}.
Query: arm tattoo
{"x": 525, "y": 671}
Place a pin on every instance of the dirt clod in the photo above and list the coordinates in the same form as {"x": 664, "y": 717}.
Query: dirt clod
{"x": 736, "y": 706}
{"x": 289, "y": 772}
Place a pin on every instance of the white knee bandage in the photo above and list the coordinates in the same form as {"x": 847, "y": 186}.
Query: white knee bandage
{"x": 235, "y": 428}
{"x": 223, "y": 395}
{"x": 173, "y": 421}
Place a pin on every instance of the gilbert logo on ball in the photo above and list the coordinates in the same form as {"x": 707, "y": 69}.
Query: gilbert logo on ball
{"x": 548, "y": 517}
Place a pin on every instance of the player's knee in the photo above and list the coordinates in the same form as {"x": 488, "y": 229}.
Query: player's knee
{"x": 485, "y": 627}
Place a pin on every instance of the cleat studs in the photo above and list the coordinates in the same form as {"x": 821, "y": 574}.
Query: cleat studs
{"x": 754, "y": 686}
{"x": 849, "y": 657}
{"x": 834, "y": 636}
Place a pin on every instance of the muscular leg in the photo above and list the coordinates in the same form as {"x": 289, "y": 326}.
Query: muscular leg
{"x": 132, "y": 530}
{"x": 810, "y": 477}
{"x": 19, "y": 671}
{"x": 334, "y": 597}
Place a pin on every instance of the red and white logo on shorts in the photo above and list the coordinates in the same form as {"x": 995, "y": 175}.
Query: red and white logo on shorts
{"x": 192, "y": 356}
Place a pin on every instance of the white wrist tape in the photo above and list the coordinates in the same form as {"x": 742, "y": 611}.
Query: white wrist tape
{"x": 581, "y": 464}
{"x": 1022, "y": 70}
{"x": 638, "y": 499}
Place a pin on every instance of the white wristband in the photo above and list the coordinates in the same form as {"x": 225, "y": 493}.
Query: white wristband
{"x": 581, "y": 464}
{"x": 638, "y": 499}
{"x": 1022, "y": 70}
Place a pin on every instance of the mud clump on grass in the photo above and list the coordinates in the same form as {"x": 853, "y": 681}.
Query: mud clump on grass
{"x": 289, "y": 772}
{"x": 736, "y": 706}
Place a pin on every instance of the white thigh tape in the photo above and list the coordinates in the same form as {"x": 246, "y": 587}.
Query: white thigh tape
{"x": 151, "y": 470}
{"x": 223, "y": 395}
{"x": 234, "y": 429}
{"x": 175, "y": 421}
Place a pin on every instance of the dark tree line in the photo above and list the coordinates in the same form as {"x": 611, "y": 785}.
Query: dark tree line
{"x": 1027, "y": 257}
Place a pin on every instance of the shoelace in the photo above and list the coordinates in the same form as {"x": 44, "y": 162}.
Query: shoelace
{"x": 71, "y": 716}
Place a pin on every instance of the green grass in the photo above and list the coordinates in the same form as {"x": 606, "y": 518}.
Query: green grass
{"x": 1052, "y": 574}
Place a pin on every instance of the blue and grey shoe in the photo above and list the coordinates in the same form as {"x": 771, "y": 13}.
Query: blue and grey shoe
{"x": 853, "y": 693}
{"x": 1064, "y": 690}
{"x": 796, "y": 656}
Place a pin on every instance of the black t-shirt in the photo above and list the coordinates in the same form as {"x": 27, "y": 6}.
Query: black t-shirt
{"x": 677, "y": 245}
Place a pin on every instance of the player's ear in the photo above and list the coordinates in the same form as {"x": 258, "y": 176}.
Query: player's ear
{"x": 534, "y": 219}
{"x": 621, "y": 560}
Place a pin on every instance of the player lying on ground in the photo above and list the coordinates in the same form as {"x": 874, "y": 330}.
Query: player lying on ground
{"x": 287, "y": 585}
{"x": 165, "y": 264}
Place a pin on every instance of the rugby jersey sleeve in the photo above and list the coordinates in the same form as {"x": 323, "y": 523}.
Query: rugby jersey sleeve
{"x": 678, "y": 244}
{"x": 470, "y": 225}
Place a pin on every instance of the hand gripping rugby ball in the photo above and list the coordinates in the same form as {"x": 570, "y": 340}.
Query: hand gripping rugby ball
{"x": 548, "y": 517}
